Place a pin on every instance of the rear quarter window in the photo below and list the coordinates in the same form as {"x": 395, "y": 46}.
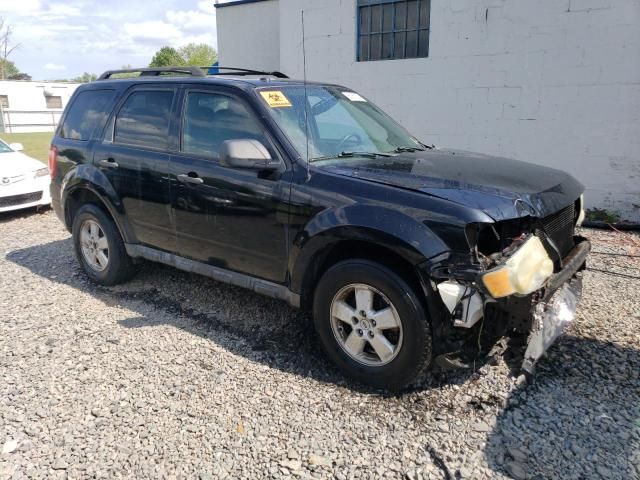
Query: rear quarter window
{"x": 143, "y": 119}
{"x": 87, "y": 112}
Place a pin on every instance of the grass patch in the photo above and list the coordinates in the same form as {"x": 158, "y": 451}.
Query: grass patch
{"x": 35, "y": 144}
{"x": 602, "y": 215}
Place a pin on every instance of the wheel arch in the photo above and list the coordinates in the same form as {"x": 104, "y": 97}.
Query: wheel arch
{"x": 346, "y": 249}
{"x": 395, "y": 259}
{"x": 378, "y": 231}
{"x": 86, "y": 184}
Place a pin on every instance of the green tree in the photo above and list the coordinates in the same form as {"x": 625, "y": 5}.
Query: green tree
{"x": 86, "y": 77}
{"x": 167, "y": 57}
{"x": 198, "y": 54}
{"x": 126, "y": 75}
{"x": 8, "y": 68}
{"x": 195, "y": 54}
{"x": 19, "y": 76}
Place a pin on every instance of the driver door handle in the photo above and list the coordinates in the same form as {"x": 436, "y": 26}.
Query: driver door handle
{"x": 190, "y": 178}
{"x": 108, "y": 163}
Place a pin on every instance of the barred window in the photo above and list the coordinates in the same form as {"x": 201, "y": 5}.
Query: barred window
{"x": 393, "y": 29}
{"x": 53, "y": 101}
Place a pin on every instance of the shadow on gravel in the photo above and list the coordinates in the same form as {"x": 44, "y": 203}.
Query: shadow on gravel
{"x": 581, "y": 415}
{"x": 23, "y": 213}
{"x": 264, "y": 330}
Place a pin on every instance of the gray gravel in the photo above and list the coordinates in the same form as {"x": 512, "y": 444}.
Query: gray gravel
{"x": 173, "y": 375}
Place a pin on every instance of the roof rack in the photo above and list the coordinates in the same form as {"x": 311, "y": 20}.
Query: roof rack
{"x": 192, "y": 71}
{"x": 240, "y": 71}
{"x": 154, "y": 72}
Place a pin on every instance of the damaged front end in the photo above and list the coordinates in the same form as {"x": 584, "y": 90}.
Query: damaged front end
{"x": 521, "y": 276}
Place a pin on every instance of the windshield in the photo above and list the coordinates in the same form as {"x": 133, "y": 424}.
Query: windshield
{"x": 4, "y": 148}
{"x": 340, "y": 122}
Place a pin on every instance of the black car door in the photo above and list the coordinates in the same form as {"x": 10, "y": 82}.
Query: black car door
{"x": 135, "y": 157}
{"x": 232, "y": 218}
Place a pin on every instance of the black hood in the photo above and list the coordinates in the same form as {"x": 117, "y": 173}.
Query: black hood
{"x": 500, "y": 187}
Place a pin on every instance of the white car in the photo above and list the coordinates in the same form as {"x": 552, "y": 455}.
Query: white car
{"x": 24, "y": 181}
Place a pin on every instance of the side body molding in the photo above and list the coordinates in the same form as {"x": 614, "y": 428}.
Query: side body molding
{"x": 258, "y": 285}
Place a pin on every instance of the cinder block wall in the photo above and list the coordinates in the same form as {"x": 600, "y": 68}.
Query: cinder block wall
{"x": 554, "y": 82}
{"x": 249, "y": 35}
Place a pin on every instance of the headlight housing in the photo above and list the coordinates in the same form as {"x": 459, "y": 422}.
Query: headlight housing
{"x": 523, "y": 273}
{"x": 581, "y": 215}
{"x": 41, "y": 172}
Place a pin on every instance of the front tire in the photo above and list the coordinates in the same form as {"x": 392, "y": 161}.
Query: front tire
{"x": 372, "y": 324}
{"x": 99, "y": 247}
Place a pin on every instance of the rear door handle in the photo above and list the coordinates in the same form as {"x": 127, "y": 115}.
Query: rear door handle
{"x": 222, "y": 201}
{"x": 108, "y": 163}
{"x": 190, "y": 178}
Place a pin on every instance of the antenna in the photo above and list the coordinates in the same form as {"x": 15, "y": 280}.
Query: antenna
{"x": 306, "y": 96}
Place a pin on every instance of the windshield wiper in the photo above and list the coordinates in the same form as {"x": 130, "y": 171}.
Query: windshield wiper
{"x": 408, "y": 149}
{"x": 428, "y": 147}
{"x": 352, "y": 154}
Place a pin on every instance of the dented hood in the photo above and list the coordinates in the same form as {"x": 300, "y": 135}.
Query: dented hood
{"x": 500, "y": 187}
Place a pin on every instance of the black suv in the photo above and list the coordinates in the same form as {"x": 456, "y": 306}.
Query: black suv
{"x": 309, "y": 193}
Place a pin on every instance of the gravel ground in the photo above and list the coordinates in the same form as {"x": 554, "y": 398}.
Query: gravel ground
{"x": 174, "y": 375}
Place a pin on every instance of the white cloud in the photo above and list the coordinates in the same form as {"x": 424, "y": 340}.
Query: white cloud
{"x": 64, "y": 10}
{"x": 54, "y": 66}
{"x": 191, "y": 19}
{"x": 19, "y": 7}
{"x": 151, "y": 29}
{"x": 93, "y": 35}
{"x": 207, "y": 6}
{"x": 179, "y": 28}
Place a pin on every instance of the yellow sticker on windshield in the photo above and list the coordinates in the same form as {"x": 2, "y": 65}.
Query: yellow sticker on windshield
{"x": 275, "y": 99}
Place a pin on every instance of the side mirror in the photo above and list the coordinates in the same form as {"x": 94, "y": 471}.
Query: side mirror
{"x": 246, "y": 153}
{"x": 16, "y": 147}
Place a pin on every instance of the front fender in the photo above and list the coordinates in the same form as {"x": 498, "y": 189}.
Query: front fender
{"x": 382, "y": 226}
{"x": 87, "y": 177}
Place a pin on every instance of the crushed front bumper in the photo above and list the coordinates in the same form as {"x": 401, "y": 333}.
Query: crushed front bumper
{"x": 557, "y": 307}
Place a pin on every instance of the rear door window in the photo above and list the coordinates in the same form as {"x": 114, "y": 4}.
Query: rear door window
{"x": 88, "y": 111}
{"x": 144, "y": 119}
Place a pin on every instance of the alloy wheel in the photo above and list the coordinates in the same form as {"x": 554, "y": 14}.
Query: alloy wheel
{"x": 366, "y": 325}
{"x": 94, "y": 245}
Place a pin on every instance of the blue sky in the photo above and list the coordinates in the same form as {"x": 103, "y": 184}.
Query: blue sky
{"x": 62, "y": 39}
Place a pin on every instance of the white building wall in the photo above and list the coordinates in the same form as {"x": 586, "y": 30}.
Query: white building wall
{"x": 28, "y": 110}
{"x": 553, "y": 82}
{"x": 249, "y": 36}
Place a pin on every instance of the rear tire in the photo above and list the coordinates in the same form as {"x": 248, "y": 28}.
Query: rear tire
{"x": 372, "y": 324}
{"x": 99, "y": 247}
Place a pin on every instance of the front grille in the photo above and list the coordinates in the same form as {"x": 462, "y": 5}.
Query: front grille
{"x": 14, "y": 200}
{"x": 559, "y": 227}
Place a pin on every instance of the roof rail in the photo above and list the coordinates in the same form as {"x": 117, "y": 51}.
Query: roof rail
{"x": 154, "y": 72}
{"x": 241, "y": 71}
{"x": 188, "y": 70}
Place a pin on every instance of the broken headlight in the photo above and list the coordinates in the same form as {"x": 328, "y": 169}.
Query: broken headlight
{"x": 524, "y": 272}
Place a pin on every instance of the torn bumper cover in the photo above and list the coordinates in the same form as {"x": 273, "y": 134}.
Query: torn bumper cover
{"x": 520, "y": 294}
{"x": 557, "y": 308}
{"x": 550, "y": 318}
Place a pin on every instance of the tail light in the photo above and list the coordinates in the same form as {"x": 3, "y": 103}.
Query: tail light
{"x": 53, "y": 161}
